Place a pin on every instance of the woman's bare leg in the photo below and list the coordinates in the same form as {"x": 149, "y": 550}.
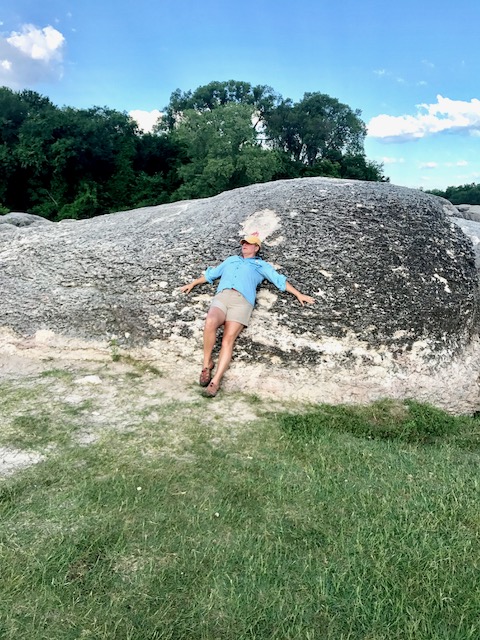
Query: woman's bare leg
{"x": 231, "y": 332}
{"x": 215, "y": 319}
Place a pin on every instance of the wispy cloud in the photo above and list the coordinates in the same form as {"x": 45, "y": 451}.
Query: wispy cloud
{"x": 428, "y": 165}
{"x": 31, "y": 55}
{"x": 389, "y": 160}
{"x": 460, "y": 163}
{"x": 445, "y": 115}
{"x": 384, "y": 73}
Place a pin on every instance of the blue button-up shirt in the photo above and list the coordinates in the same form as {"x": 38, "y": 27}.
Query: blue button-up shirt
{"x": 244, "y": 275}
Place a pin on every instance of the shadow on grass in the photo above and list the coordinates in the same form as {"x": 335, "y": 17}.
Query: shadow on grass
{"x": 407, "y": 421}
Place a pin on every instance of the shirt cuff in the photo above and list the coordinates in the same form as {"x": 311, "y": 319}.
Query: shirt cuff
{"x": 206, "y": 273}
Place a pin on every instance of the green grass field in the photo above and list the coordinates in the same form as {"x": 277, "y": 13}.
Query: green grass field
{"x": 330, "y": 523}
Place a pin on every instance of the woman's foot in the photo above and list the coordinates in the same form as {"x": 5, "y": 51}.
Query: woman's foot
{"x": 206, "y": 375}
{"x": 212, "y": 389}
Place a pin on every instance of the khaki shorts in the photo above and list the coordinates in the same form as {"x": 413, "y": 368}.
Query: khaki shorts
{"x": 235, "y": 307}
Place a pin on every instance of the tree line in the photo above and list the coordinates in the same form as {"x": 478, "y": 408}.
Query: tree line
{"x": 78, "y": 163}
{"x": 464, "y": 194}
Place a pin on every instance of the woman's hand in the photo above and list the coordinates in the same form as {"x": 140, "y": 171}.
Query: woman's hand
{"x": 302, "y": 298}
{"x": 188, "y": 287}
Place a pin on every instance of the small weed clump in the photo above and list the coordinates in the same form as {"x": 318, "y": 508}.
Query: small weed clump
{"x": 141, "y": 366}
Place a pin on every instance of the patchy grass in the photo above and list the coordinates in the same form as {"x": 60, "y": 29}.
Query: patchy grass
{"x": 338, "y": 523}
{"x": 59, "y": 374}
{"x": 141, "y": 366}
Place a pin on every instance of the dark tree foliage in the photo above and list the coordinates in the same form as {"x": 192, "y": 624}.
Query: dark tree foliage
{"x": 465, "y": 194}
{"x": 316, "y": 128}
{"x": 15, "y": 110}
{"x": 156, "y": 164}
{"x": 78, "y": 163}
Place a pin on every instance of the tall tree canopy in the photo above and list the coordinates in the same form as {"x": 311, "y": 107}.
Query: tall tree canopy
{"x": 68, "y": 153}
{"x": 217, "y": 94}
{"x": 222, "y": 151}
{"x": 77, "y": 163}
{"x": 316, "y": 128}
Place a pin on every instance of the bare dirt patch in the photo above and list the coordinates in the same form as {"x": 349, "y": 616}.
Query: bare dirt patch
{"x": 100, "y": 389}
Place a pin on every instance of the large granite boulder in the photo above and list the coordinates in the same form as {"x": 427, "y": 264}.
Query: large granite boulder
{"x": 393, "y": 274}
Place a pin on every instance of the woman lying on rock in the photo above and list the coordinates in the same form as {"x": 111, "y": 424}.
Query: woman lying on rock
{"x": 233, "y": 304}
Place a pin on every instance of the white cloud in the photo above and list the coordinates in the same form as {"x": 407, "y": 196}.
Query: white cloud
{"x": 389, "y": 160}
{"x": 428, "y": 165}
{"x": 38, "y": 44}
{"x": 146, "y": 119}
{"x": 444, "y": 115}
{"x": 30, "y": 56}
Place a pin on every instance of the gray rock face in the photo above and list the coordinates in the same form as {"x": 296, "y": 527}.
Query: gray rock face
{"x": 394, "y": 278}
{"x": 471, "y": 228}
{"x": 20, "y": 219}
{"x": 468, "y": 212}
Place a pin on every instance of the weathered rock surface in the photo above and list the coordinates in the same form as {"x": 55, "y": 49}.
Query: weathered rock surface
{"x": 393, "y": 274}
{"x": 468, "y": 212}
{"x": 20, "y": 219}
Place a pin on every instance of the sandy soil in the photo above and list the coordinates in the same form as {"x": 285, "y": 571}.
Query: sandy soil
{"x": 121, "y": 388}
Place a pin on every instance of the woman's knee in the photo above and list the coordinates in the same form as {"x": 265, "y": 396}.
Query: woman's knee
{"x": 231, "y": 333}
{"x": 228, "y": 340}
{"x": 214, "y": 320}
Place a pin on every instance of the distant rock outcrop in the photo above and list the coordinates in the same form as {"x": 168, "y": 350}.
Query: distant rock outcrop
{"x": 393, "y": 274}
{"x": 20, "y": 219}
{"x": 468, "y": 211}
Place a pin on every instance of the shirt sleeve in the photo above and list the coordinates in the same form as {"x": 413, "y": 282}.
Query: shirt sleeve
{"x": 272, "y": 275}
{"x": 213, "y": 273}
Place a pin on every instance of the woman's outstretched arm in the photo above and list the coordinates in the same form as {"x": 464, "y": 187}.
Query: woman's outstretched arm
{"x": 301, "y": 297}
{"x": 188, "y": 287}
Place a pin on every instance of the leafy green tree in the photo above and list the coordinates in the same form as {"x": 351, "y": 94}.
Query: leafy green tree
{"x": 358, "y": 167}
{"x": 7, "y": 170}
{"x": 157, "y": 157}
{"x": 83, "y": 162}
{"x": 316, "y": 128}
{"x": 83, "y": 205}
{"x": 218, "y": 94}
{"x": 63, "y": 150}
{"x": 15, "y": 110}
{"x": 222, "y": 151}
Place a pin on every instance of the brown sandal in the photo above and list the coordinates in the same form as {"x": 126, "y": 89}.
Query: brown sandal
{"x": 212, "y": 390}
{"x": 206, "y": 376}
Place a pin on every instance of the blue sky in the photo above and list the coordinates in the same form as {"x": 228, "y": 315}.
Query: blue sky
{"x": 411, "y": 67}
